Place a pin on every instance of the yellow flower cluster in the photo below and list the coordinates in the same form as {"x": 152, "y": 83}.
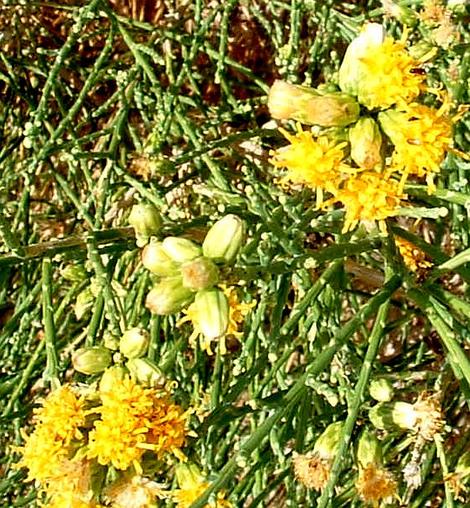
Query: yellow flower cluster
{"x": 73, "y": 438}
{"x": 48, "y": 451}
{"x": 132, "y": 420}
{"x": 365, "y": 161}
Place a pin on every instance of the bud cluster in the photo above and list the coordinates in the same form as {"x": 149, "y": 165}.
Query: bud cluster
{"x": 187, "y": 274}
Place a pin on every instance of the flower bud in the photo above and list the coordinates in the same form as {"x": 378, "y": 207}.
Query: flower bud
{"x": 422, "y": 51}
{"x": 212, "y": 312}
{"x": 110, "y": 341}
{"x": 310, "y": 106}
{"x": 404, "y": 15}
{"x": 168, "y": 297}
{"x": 134, "y": 343}
{"x": 389, "y": 416}
{"x": 463, "y": 464}
{"x": 381, "y": 390}
{"x": 368, "y": 449}
{"x": 188, "y": 475}
{"x": 146, "y": 373}
{"x": 350, "y": 72}
{"x": 91, "y": 360}
{"x": 181, "y": 249}
{"x": 326, "y": 445}
{"x": 366, "y": 142}
{"x": 146, "y": 221}
{"x": 391, "y": 122}
{"x": 110, "y": 376}
{"x": 83, "y": 303}
{"x": 156, "y": 259}
{"x": 201, "y": 273}
{"x": 224, "y": 239}
{"x": 74, "y": 273}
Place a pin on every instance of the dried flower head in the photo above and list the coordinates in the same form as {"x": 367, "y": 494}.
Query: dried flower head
{"x": 429, "y": 417}
{"x": 312, "y": 470}
{"x": 375, "y": 484}
{"x": 71, "y": 486}
{"x": 133, "y": 492}
{"x": 413, "y": 257}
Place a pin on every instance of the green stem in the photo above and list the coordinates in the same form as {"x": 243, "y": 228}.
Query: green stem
{"x": 445, "y": 471}
{"x": 51, "y": 370}
{"x": 111, "y": 306}
{"x": 71, "y": 245}
{"x": 312, "y": 293}
{"x": 358, "y": 397}
{"x": 295, "y": 393}
{"x": 445, "y": 328}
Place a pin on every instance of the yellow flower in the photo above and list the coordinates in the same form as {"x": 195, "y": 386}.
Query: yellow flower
{"x": 413, "y": 257}
{"x": 237, "y": 312}
{"x": 192, "y": 485}
{"x": 135, "y": 419}
{"x": 368, "y": 197}
{"x": 385, "y": 73}
{"x": 421, "y": 136}
{"x": 392, "y": 76}
{"x": 313, "y": 162}
{"x": 57, "y": 424}
{"x": 375, "y": 484}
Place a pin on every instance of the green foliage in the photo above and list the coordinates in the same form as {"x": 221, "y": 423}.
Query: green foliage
{"x": 102, "y": 109}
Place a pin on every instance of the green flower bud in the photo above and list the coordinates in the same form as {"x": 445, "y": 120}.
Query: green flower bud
{"x": 91, "y": 360}
{"x": 368, "y": 449}
{"x": 134, "y": 343}
{"x": 145, "y": 372}
{"x": 110, "y": 376}
{"x": 83, "y": 303}
{"x": 74, "y": 273}
{"x": 350, "y": 73}
{"x": 212, "y": 312}
{"x": 224, "y": 239}
{"x": 390, "y": 122}
{"x": 156, "y": 259}
{"x": 463, "y": 464}
{"x": 168, "y": 297}
{"x": 201, "y": 273}
{"x": 181, "y": 249}
{"x": 381, "y": 390}
{"x": 366, "y": 142}
{"x": 404, "y": 15}
{"x": 310, "y": 106}
{"x": 327, "y": 443}
{"x": 397, "y": 414}
{"x": 110, "y": 341}
{"x": 146, "y": 221}
{"x": 422, "y": 51}
{"x": 188, "y": 475}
